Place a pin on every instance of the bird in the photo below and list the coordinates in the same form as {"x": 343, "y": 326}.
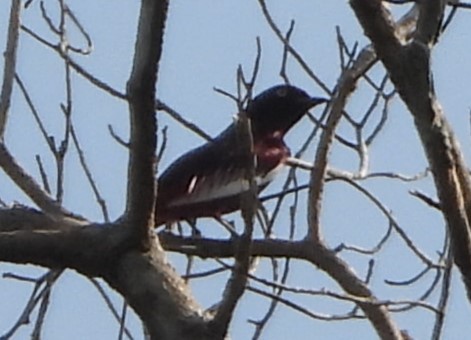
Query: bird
{"x": 208, "y": 180}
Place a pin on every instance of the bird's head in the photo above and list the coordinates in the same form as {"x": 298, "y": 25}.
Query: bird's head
{"x": 279, "y": 108}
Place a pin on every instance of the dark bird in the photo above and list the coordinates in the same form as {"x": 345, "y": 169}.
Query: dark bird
{"x": 207, "y": 181}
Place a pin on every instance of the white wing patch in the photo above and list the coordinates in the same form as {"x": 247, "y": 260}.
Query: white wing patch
{"x": 207, "y": 189}
{"x": 192, "y": 185}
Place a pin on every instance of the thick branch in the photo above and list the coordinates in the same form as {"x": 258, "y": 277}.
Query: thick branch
{"x": 430, "y": 19}
{"x": 319, "y": 255}
{"x": 409, "y": 69}
{"x": 157, "y": 294}
{"x": 141, "y": 96}
{"x": 142, "y": 275}
{"x": 29, "y": 236}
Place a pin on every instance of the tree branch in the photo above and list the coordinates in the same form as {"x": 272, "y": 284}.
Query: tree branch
{"x": 29, "y": 185}
{"x": 29, "y": 236}
{"x": 346, "y": 84}
{"x": 409, "y": 68}
{"x": 157, "y": 294}
{"x": 10, "y": 63}
{"x": 141, "y": 97}
{"x": 320, "y": 256}
{"x": 235, "y": 287}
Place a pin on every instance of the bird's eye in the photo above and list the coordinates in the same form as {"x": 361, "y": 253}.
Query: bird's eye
{"x": 282, "y": 92}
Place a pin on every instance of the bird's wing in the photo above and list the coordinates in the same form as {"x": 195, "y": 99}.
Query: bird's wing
{"x": 210, "y": 172}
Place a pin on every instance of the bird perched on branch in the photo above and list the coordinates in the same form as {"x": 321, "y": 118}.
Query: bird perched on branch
{"x": 208, "y": 180}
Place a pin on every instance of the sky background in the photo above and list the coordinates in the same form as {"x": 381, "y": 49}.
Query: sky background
{"x": 205, "y": 42}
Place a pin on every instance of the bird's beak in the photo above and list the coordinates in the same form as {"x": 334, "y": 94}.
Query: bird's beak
{"x": 313, "y": 101}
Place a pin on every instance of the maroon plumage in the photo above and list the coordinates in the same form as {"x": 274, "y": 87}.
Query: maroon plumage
{"x": 207, "y": 181}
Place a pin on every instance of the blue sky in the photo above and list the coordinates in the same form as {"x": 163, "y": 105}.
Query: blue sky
{"x": 204, "y": 44}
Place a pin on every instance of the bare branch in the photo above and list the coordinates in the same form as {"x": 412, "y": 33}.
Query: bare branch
{"x": 344, "y": 88}
{"x": 290, "y": 49}
{"x": 109, "y": 304}
{"x": 237, "y": 282}
{"x": 161, "y": 299}
{"x": 409, "y": 69}
{"x": 444, "y": 295}
{"x": 141, "y": 96}
{"x": 10, "y": 63}
{"x": 29, "y": 185}
{"x": 99, "y": 198}
{"x": 41, "y": 291}
{"x": 161, "y": 106}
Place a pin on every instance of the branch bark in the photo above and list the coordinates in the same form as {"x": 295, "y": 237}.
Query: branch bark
{"x": 148, "y": 283}
{"x": 141, "y": 98}
{"x": 364, "y": 61}
{"x": 10, "y": 63}
{"x": 125, "y": 254}
{"x": 319, "y": 255}
{"x": 29, "y": 185}
{"x": 324, "y": 258}
{"x": 235, "y": 286}
{"x": 408, "y": 64}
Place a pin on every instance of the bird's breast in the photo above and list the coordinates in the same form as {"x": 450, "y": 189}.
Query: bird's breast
{"x": 271, "y": 153}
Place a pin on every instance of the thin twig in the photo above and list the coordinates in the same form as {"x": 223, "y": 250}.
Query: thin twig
{"x": 109, "y": 304}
